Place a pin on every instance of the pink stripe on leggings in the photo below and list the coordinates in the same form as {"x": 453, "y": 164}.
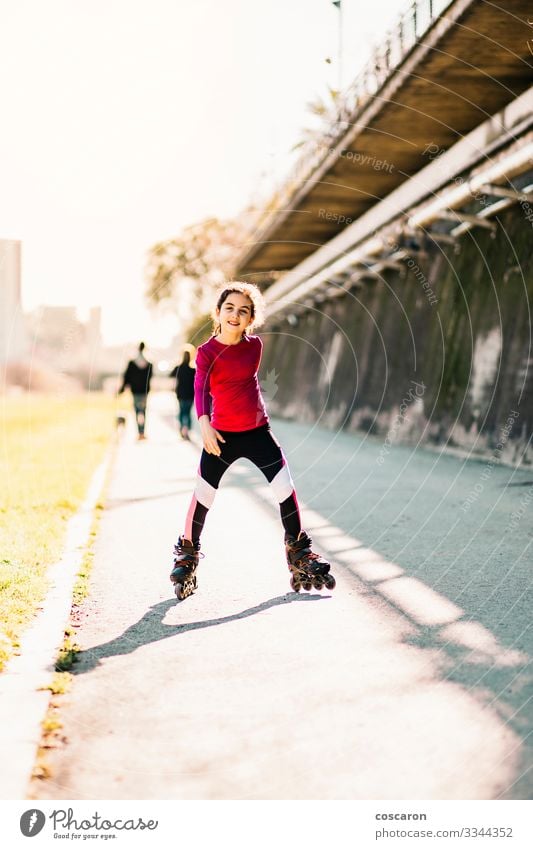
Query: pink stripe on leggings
{"x": 190, "y": 516}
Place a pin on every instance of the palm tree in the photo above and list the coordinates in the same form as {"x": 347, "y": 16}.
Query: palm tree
{"x": 325, "y": 109}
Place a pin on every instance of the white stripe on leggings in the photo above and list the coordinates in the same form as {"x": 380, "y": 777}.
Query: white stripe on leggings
{"x": 204, "y": 492}
{"x": 282, "y": 484}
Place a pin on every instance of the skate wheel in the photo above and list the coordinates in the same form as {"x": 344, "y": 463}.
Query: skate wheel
{"x": 307, "y": 585}
{"x": 318, "y": 583}
{"x": 330, "y": 582}
{"x": 179, "y": 591}
{"x": 295, "y": 584}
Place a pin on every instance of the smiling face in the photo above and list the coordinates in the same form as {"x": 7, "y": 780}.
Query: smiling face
{"x": 235, "y": 314}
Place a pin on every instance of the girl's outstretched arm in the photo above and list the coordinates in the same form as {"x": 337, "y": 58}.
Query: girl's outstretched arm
{"x": 210, "y": 436}
{"x": 202, "y": 384}
{"x": 202, "y": 400}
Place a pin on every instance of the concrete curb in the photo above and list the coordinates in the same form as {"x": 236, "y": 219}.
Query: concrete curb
{"x": 22, "y": 704}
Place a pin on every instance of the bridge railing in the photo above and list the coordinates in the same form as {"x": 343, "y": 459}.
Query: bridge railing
{"x": 409, "y": 28}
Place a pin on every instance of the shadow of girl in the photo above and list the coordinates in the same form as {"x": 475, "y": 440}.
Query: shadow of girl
{"x": 151, "y": 628}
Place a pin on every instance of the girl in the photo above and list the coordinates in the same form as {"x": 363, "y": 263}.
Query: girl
{"x": 234, "y": 423}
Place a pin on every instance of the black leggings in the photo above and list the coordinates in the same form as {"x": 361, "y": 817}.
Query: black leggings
{"x": 262, "y": 448}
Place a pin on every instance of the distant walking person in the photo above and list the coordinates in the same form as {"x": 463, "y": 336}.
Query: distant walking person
{"x": 137, "y": 376}
{"x": 184, "y": 374}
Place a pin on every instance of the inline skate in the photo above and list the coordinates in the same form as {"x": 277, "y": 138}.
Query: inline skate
{"x": 183, "y": 575}
{"x": 307, "y": 569}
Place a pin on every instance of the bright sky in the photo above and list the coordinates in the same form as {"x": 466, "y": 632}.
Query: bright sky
{"x": 125, "y": 120}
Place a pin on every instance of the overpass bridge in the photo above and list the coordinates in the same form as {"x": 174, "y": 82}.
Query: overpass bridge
{"x": 467, "y": 187}
{"x": 399, "y": 254}
{"x": 445, "y": 69}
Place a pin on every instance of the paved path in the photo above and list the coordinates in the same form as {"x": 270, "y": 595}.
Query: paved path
{"x": 410, "y": 680}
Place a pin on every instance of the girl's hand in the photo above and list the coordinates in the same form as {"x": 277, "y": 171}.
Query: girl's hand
{"x": 210, "y": 436}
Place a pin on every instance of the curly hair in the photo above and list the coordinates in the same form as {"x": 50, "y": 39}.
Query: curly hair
{"x": 252, "y": 292}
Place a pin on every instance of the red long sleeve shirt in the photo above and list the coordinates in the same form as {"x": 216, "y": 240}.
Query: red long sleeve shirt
{"x": 226, "y": 385}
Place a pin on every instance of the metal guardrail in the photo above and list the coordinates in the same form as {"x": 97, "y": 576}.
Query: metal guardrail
{"x": 386, "y": 56}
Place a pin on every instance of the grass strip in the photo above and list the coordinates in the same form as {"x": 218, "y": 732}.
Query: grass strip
{"x": 49, "y": 450}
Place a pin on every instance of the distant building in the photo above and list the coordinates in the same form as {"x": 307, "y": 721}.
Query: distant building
{"x": 56, "y": 332}
{"x": 93, "y": 330}
{"x": 13, "y": 341}
{"x": 64, "y": 343}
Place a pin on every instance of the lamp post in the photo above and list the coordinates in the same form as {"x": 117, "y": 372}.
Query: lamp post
{"x": 338, "y": 5}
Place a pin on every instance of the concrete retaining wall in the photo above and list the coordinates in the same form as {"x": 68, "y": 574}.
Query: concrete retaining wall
{"x": 441, "y": 353}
